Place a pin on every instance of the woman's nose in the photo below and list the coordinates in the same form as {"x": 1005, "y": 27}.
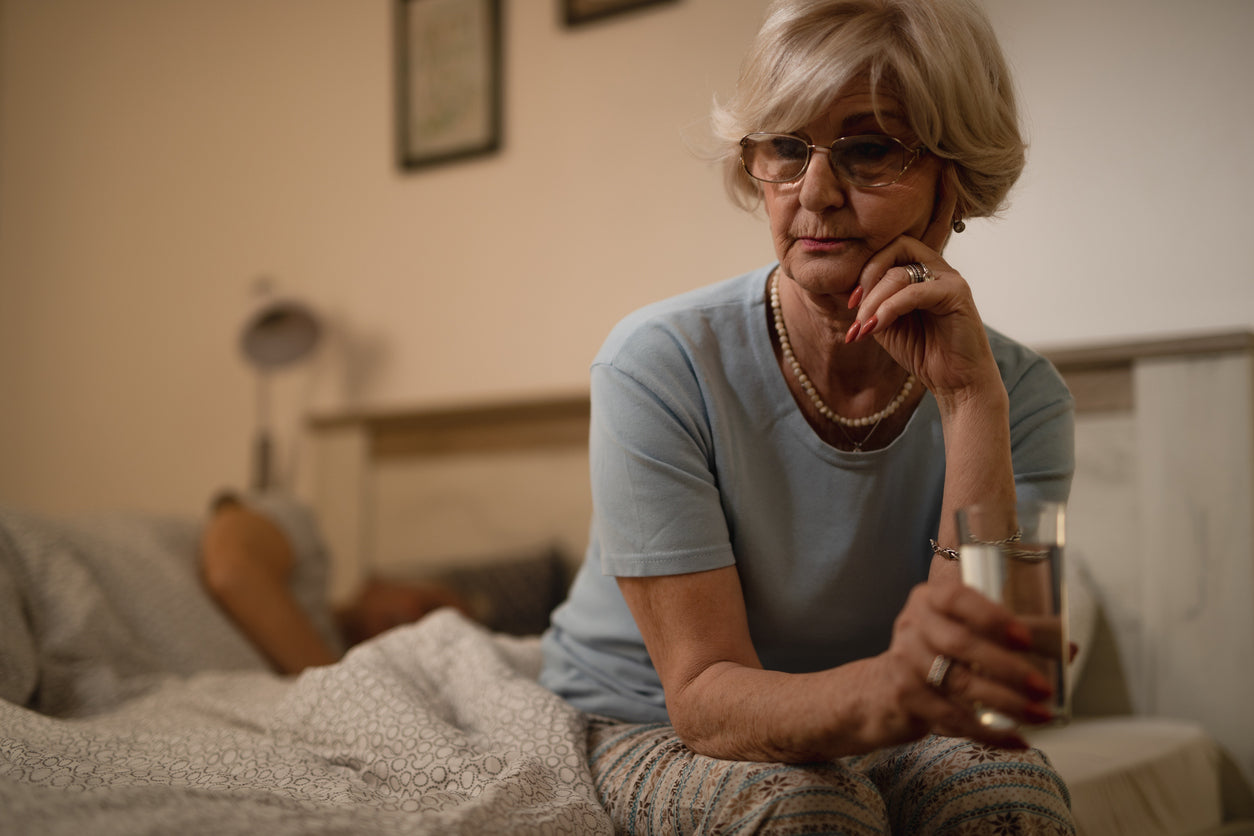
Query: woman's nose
{"x": 821, "y": 188}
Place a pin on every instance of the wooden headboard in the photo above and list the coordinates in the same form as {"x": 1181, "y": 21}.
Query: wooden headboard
{"x": 1101, "y": 376}
{"x": 405, "y": 491}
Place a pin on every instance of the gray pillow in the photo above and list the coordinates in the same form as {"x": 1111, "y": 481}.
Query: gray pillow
{"x": 107, "y": 602}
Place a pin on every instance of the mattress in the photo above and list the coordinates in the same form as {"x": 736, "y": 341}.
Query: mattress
{"x": 1139, "y": 776}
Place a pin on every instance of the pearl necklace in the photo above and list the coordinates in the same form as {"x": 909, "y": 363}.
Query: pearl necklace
{"x": 826, "y": 411}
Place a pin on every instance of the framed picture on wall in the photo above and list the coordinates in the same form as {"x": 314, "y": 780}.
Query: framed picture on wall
{"x": 583, "y": 11}
{"x": 448, "y": 80}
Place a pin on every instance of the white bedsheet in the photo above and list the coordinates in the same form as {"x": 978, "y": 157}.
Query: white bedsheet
{"x": 436, "y": 728}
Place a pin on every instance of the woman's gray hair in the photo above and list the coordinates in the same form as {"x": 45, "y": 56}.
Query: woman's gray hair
{"x": 939, "y": 58}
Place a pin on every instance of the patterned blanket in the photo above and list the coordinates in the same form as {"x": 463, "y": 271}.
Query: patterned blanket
{"x": 438, "y": 727}
{"x": 434, "y": 728}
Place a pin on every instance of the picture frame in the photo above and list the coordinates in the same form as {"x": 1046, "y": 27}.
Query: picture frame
{"x": 577, "y": 12}
{"x": 448, "y": 80}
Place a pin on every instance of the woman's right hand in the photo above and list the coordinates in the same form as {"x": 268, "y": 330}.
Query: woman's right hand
{"x": 987, "y": 668}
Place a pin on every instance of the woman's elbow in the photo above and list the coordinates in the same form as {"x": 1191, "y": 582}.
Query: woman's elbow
{"x": 708, "y": 728}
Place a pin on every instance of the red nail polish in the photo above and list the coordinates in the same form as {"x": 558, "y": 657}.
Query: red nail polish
{"x": 1018, "y": 637}
{"x": 868, "y": 327}
{"x": 1038, "y": 713}
{"x": 852, "y": 333}
{"x": 1038, "y": 685}
{"x": 855, "y": 298}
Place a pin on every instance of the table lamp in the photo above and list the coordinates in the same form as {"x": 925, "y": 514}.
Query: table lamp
{"x": 278, "y": 333}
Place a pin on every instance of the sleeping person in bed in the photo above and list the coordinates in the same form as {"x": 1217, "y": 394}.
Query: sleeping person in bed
{"x": 768, "y": 631}
{"x": 260, "y": 560}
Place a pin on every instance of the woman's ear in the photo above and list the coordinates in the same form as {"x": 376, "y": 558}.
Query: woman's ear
{"x": 962, "y": 207}
{"x": 944, "y": 210}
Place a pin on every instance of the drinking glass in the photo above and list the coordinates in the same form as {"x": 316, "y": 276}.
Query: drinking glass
{"x": 1016, "y": 558}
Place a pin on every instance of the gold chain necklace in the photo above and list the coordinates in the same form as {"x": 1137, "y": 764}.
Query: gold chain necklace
{"x": 826, "y": 411}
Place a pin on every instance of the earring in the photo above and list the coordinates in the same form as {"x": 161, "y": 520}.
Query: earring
{"x": 959, "y": 225}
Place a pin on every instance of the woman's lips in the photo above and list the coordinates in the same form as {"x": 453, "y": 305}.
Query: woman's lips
{"x": 822, "y": 244}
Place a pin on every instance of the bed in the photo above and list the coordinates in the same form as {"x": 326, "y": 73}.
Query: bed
{"x": 130, "y": 704}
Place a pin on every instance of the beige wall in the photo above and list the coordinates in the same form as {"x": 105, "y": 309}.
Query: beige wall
{"x": 156, "y": 156}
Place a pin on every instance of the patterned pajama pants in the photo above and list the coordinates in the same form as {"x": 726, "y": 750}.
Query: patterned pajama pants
{"x": 650, "y": 782}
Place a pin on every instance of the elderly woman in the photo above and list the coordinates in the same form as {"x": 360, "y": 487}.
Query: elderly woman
{"x": 768, "y": 629}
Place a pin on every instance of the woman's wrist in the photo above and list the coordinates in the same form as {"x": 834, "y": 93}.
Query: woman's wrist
{"x": 987, "y": 399}
{"x": 857, "y": 710}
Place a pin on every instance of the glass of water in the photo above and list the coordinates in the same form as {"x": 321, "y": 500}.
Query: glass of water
{"x": 1016, "y": 558}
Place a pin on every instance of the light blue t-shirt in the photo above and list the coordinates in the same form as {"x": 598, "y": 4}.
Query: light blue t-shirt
{"x": 700, "y": 458}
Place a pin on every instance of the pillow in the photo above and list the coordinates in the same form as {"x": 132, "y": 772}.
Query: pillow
{"x": 93, "y": 605}
{"x": 108, "y": 599}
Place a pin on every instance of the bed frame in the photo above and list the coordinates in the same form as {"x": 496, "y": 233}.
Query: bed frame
{"x": 403, "y": 492}
{"x": 1161, "y": 510}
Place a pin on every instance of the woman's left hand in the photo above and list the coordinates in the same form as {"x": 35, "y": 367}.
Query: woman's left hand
{"x": 953, "y": 649}
{"x": 931, "y": 328}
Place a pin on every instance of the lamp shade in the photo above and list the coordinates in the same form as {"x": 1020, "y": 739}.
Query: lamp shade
{"x": 278, "y": 333}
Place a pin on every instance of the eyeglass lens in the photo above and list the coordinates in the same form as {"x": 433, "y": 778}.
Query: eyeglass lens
{"x": 862, "y": 160}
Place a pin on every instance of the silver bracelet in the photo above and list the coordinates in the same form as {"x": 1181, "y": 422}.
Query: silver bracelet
{"x": 952, "y": 554}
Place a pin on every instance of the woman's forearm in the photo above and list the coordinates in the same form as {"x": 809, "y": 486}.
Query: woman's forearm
{"x": 736, "y": 712}
{"x": 721, "y": 701}
{"x": 978, "y": 466}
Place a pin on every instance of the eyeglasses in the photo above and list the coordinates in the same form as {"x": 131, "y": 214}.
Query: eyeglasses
{"x": 866, "y": 161}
